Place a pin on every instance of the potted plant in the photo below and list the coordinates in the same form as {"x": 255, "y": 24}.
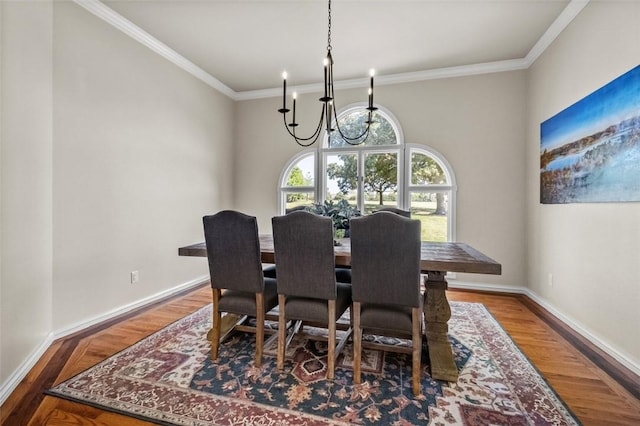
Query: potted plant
{"x": 340, "y": 213}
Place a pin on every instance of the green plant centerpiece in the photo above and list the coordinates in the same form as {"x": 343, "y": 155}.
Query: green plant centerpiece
{"x": 340, "y": 213}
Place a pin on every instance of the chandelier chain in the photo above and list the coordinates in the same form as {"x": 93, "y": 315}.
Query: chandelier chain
{"x": 329, "y": 109}
{"x": 329, "y": 30}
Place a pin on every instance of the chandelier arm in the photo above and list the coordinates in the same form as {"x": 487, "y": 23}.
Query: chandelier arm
{"x": 328, "y": 109}
{"x": 353, "y": 138}
{"x": 300, "y": 140}
{"x": 348, "y": 139}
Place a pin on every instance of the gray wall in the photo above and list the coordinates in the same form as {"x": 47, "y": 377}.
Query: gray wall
{"x": 25, "y": 180}
{"x": 142, "y": 150}
{"x": 487, "y": 127}
{"x": 592, "y": 250}
{"x": 110, "y": 157}
{"x": 475, "y": 122}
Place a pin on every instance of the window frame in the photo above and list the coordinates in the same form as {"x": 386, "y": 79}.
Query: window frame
{"x": 451, "y": 187}
{"x": 405, "y": 187}
{"x": 284, "y": 189}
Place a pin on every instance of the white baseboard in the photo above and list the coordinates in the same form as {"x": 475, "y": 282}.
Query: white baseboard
{"x": 579, "y": 328}
{"x": 485, "y": 287}
{"x": 623, "y": 358}
{"x": 21, "y": 372}
{"x": 73, "y": 328}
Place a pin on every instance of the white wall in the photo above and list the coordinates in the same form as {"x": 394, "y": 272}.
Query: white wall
{"x": 592, "y": 250}
{"x": 25, "y": 180}
{"x": 110, "y": 155}
{"x": 2, "y": 375}
{"x": 142, "y": 150}
{"x": 475, "y": 122}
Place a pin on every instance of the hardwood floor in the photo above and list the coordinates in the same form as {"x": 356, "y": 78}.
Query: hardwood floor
{"x": 592, "y": 395}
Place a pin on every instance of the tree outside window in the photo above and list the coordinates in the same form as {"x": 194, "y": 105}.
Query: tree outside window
{"x": 382, "y": 171}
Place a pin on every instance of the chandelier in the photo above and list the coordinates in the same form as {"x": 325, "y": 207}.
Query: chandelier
{"x": 328, "y": 107}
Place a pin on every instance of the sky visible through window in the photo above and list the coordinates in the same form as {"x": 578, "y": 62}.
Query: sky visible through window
{"x": 307, "y": 166}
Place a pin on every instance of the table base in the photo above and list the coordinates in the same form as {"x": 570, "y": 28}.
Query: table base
{"x": 436, "y": 315}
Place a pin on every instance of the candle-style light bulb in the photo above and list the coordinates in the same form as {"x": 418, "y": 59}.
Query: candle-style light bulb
{"x": 371, "y": 73}
{"x": 295, "y": 95}
{"x": 284, "y": 90}
{"x": 326, "y": 63}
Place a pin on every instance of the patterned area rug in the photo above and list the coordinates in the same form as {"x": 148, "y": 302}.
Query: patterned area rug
{"x": 168, "y": 378}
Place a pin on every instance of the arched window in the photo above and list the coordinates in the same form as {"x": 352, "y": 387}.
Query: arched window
{"x": 297, "y": 182}
{"x": 381, "y": 172}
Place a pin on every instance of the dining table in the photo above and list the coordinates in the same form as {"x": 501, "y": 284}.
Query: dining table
{"x": 437, "y": 258}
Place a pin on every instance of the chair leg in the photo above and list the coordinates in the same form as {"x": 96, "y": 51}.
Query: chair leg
{"x": 259, "y": 328}
{"x": 417, "y": 350}
{"x": 217, "y": 324}
{"x": 331, "y": 356}
{"x": 357, "y": 342}
{"x": 282, "y": 330}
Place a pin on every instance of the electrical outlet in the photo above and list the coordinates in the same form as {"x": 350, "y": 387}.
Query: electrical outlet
{"x": 550, "y": 280}
{"x": 135, "y": 277}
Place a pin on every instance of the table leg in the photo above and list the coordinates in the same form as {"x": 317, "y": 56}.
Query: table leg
{"x": 436, "y": 314}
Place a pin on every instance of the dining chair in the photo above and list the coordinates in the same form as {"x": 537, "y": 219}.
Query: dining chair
{"x": 307, "y": 287}
{"x": 344, "y": 274}
{"x": 237, "y": 281}
{"x": 405, "y": 213}
{"x": 269, "y": 270}
{"x": 385, "y": 267}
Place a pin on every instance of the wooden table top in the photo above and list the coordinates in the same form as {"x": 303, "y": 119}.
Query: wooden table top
{"x": 436, "y": 257}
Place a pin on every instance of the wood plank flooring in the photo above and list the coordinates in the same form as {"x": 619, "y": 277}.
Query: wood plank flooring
{"x": 592, "y": 395}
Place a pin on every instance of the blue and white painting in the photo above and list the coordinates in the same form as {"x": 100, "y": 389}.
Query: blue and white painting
{"x": 590, "y": 152}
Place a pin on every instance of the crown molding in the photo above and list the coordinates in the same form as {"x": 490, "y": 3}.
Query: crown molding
{"x": 562, "y": 21}
{"x": 113, "y": 18}
{"x": 384, "y": 80}
{"x": 132, "y": 30}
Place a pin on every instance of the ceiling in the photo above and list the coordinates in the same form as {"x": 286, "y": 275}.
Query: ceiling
{"x": 243, "y": 46}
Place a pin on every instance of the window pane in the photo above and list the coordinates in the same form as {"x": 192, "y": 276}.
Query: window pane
{"x": 342, "y": 178}
{"x": 353, "y": 124}
{"x": 380, "y": 181}
{"x": 295, "y": 200}
{"x": 432, "y": 208}
{"x": 425, "y": 170}
{"x": 302, "y": 173}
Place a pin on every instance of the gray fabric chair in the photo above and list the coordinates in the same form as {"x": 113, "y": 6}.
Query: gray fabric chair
{"x": 237, "y": 281}
{"x": 395, "y": 210}
{"x": 385, "y": 268}
{"x": 270, "y": 270}
{"x": 344, "y": 274}
{"x": 307, "y": 287}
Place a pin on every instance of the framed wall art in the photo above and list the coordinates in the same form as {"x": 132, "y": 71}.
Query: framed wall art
{"x": 590, "y": 152}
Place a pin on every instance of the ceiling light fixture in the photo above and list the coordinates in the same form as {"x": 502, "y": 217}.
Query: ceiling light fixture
{"x": 328, "y": 107}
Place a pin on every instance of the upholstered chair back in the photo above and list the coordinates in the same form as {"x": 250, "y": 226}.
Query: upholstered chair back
{"x": 303, "y": 244}
{"x": 233, "y": 250}
{"x": 395, "y": 210}
{"x": 385, "y": 259}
